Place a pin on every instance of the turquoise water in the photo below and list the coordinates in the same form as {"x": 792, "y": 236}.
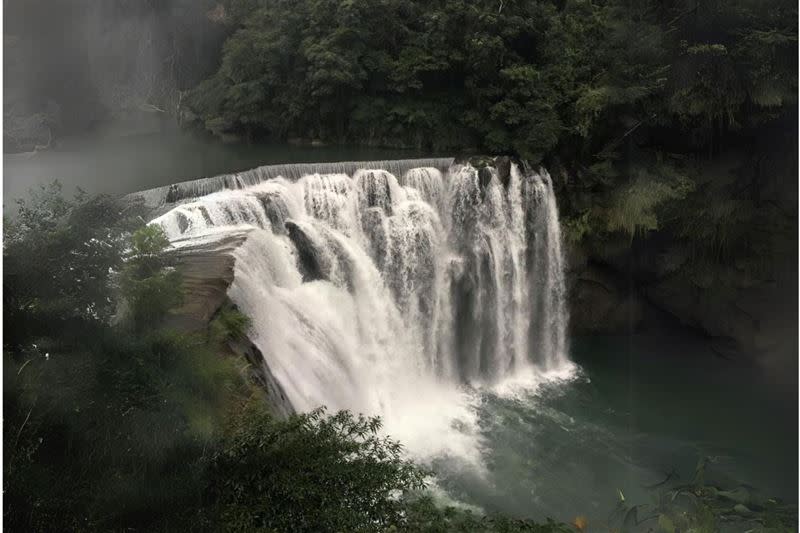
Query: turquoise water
{"x": 638, "y": 408}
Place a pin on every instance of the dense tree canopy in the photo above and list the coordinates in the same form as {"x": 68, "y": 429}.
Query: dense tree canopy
{"x": 535, "y": 78}
{"x": 636, "y": 107}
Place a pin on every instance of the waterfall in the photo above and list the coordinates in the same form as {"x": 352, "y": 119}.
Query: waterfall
{"x": 169, "y": 194}
{"x": 395, "y": 295}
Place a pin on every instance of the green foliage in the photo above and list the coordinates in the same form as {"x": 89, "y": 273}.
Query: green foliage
{"x": 103, "y": 427}
{"x": 228, "y": 324}
{"x": 122, "y": 426}
{"x": 309, "y": 473}
{"x": 111, "y": 431}
{"x": 633, "y": 207}
{"x": 716, "y": 227}
{"x": 422, "y": 515}
{"x": 59, "y": 257}
{"x": 150, "y": 285}
{"x": 602, "y": 88}
{"x": 392, "y": 72}
{"x": 575, "y": 229}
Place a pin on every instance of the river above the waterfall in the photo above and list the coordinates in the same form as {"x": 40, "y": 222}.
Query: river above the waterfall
{"x": 638, "y": 408}
{"x": 120, "y": 165}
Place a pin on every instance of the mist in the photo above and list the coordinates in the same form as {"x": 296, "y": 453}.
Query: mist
{"x": 112, "y": 67}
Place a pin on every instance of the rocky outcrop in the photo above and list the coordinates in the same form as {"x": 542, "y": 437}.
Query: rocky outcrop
{"x": 742, "y": 314}
{"x": 487, "y": 164}
{"x": 259, "y": 373}
{"x": 312, "y": 265}
{"x": 207, "y": 265}
{"x": 722, "y": 261}
{"x": 30, "y": 133}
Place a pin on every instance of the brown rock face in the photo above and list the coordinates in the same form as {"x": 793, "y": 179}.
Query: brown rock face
{"x": 206, "y": 266}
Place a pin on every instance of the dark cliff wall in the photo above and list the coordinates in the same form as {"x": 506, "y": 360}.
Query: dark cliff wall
{"x": 741, "y": 294}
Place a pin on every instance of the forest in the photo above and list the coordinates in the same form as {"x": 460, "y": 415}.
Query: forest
{"x": 640, "y": 106}
{"x": 668, "y": 126}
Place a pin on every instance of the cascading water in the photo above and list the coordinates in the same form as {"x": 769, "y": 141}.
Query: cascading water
{"x": 396, "y": 297}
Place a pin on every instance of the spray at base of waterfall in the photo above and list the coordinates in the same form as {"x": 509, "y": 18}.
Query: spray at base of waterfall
{"x": 410, "y": 298}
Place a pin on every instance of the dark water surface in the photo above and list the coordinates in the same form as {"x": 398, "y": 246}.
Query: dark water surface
{"x": 119, "y": 165}
{"x": 640, "y": 407}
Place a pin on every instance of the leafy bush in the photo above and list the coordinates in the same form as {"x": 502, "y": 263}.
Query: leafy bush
{"x": 424, "y": 516}
{"x": 311, "y": 472}
{"x": 59, "y": 256}
{"x": 150, "y": 285}
{"x": 105, "y": 426}
{"x": 633, "y": 208}
{"x": 228, "y": 324}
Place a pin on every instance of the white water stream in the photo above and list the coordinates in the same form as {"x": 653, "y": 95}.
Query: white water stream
{"x": 397, "y": 296}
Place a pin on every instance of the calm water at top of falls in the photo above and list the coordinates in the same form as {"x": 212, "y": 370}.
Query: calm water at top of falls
{"x": 119, "y": 165}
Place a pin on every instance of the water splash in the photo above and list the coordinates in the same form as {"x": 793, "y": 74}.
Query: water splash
{"x": 394, "y": 297}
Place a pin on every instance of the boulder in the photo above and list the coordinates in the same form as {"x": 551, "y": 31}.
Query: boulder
{"x": 311, "y": 263}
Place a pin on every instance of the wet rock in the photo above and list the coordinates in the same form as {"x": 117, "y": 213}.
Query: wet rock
{"x": 499, "y": 165}
{"x": 373, "y": 227}
{"x": 173, "y": 194}
{"x": 183, "y": 222}
{"x": 503, "y": 166}
{"x": 484, "y": 177}
{"x": 259, "y": 372}
{"x": 600, "y": 303}
{"x": 30, "y": 133}
{"x": 277, "y": 211}
{"x": 374, "y": 189}
{"x": 312, "y": 267}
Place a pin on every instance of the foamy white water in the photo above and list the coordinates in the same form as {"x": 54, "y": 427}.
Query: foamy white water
{"x": 397, "y": 297}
